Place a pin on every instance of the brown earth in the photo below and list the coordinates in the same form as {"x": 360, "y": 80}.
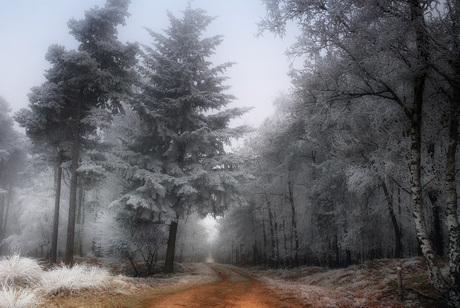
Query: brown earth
{"x": 372, "y": 284}
{"x": 234, "y": 289}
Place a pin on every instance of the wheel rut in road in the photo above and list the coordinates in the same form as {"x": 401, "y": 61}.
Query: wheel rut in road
{"x": 235, "y": 288}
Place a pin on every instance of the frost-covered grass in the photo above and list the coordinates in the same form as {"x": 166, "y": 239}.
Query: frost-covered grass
{"x": 69, "y": 280}
{"x": 17, "y": 270}
{"x": 122, "y": 291}
{"x": 191, "y": 274}
{"x": 24, "y": 283}
{"x": 373, "y": 284}
{"x": 11, "y": 297}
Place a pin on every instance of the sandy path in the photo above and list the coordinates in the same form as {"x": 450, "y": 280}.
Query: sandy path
{"x": 235, "y": 289}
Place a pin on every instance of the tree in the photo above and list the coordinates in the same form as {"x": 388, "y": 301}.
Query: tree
{"x": 12, "y": 161}
{"x": 103, "y": 65}
{"x": 78, "y": 82}
{"x": 47, "y": 128}
{"x": 129, "y": 234}
{"x": 387, "y": 52}
{"x": 33, "y": 232}
{"x": 237, "y": 237}
{"x": 185, "y": 127}
{"x": 192, "y": 239}
{"x": 445, "y": 62}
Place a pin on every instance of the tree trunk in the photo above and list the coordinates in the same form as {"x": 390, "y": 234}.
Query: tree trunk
{"x": 170, "y": 250}
{"x": 285, "y": 248}
{"x": 277, "y": 254}
{"x": 256, "y": 254}
{"x": 69, "y": 250}
{"x": 453, "y": 228}
{"x": 255, "y": 250}
{"x": 79, "y": 220}
{"x": 426, "y": 244}
{"x": 348, "y": 260}
{"x": 294, "y": 224}
{"x": 131, "y": 261}
{"x": 57, "y": 202}
{"x": 265, "y": 243}
{"x": 433, "y": 195}
{"x": 394, "y": 222}
{"x": 2, "y": 206}
{"x": 272, "y": 237}
{"x": 7, "y": 210}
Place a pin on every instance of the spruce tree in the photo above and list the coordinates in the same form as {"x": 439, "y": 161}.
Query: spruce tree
{"x": 94, "y": 77}
{"x": 185, "y": 127}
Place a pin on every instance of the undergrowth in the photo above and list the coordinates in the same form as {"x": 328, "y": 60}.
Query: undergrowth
{"x": 24, "y": 283}
{"x": 19, "y": 271}
{"x": 13, "y": 297}
{"x": 63, "y": 280}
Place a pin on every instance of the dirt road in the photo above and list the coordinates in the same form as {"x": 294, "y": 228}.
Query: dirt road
{"x": 234, "y": 289}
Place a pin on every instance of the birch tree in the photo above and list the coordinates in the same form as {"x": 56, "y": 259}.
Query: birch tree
{"x": 387, "y": 49}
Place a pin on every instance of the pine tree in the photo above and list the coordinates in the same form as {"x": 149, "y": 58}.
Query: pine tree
{"x": 95, "y": 76}
{"x": 185, "y": 127}
{"x": 50, "y": 133}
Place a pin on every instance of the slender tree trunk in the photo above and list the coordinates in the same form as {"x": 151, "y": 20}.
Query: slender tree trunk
{"x": 4, "y": 213}
{"x": 426, "y": 244}
{"x": 272, "y": 237}
{"x": 285, "y": 248}
{"x": 255, "y": 250}
{"x": 57, "y": 202}
{"x": 69, "y": 250}
{"x": 277, "y": 254}
{"x": 433, "y": 195}
{"x": 2, "y": 207}
{"x": 294, "y": 223}
{"x": 256, "y": 253}
{"x": 170, "y": 250}
{"x": 131, "y": 261}
{"x": 79, "y": 220}
{"x": 348, "y": 260}
{"x": 7, "y": 210}
{"x": 337, "y": 250}
{"x": 453, "y": 290}
{"x": 394, "y": 222}
{"x": 265, "y": 243}
{"x": 451, "y": 201}
{"x": 181, "y": 254}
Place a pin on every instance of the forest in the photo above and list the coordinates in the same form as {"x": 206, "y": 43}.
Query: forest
{"x": 126, "y": 147}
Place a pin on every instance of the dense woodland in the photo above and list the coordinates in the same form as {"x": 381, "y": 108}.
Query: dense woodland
{"x": 128, "y": 146}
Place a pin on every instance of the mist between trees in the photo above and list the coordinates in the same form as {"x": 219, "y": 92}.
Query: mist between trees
{"x": 358, "y": 162}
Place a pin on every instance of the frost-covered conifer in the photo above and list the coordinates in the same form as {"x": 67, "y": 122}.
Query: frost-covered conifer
{"x": 96, "y": 75}
{"x": 181, "y": 160}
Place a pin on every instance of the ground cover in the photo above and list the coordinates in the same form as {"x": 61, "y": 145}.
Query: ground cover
{"x": 96, "y": 283}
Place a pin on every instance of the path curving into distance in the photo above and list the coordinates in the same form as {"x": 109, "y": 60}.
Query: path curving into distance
{"x": 235, "y": 288}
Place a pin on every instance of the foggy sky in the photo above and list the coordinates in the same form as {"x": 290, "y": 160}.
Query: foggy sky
{"x": 29, "y": 27}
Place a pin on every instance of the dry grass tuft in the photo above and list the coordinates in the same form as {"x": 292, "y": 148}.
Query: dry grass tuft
{"x": 65, "y": 280}
{"x": 11, "y": 297}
